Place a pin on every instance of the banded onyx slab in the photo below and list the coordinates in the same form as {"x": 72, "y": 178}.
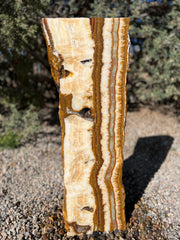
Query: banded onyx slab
{"x": 88, "y": 59}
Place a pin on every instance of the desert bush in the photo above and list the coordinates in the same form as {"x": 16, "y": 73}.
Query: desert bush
{"x": 17, "y": 126}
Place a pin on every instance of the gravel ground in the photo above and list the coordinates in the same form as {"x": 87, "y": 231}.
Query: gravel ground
{"x": 31, "y": 187}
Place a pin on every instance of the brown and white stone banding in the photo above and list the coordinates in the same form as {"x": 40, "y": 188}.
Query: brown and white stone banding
{"x": 88, "y": 59}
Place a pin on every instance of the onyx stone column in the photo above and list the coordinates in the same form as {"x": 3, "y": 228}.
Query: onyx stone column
{"x": 88, "y": 59}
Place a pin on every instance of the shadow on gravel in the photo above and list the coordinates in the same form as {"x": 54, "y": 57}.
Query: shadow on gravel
{"x": 138, "y": 169}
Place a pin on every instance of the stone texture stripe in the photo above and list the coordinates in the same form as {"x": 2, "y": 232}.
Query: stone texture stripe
{"x": 119, "y": 123}
{"x": 97, "y": 35}
{"x": 113, "y": 108}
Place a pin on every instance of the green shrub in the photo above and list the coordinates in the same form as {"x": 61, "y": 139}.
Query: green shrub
{"x": 10, "y": 139}
{"x": 17, "y": 126}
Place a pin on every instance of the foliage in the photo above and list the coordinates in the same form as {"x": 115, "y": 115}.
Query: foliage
{"x": 159, "y": 31}
{"x": 17, "y": 127}
{"x": 10, "y": 140}
{"x": 21, "y": 45}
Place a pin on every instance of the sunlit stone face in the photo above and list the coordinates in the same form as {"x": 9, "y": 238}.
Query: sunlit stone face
{"x": 75, "y": 45}
{"x": 88, "y": 59}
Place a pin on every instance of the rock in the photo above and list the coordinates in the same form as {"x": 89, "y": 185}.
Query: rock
{"x": 92, "y": 110}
